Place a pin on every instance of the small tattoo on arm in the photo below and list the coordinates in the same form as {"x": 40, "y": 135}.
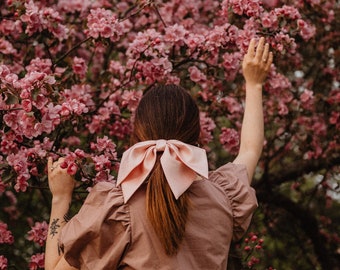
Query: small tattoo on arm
{"x": 67, "y": 216}
{"x": 54, "y": 227}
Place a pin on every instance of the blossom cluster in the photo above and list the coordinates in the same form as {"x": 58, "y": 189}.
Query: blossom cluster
{"x": 38, "y": 234}
{"x": 6, "y": 236}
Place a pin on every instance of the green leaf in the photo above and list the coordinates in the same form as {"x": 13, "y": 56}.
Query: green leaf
{"x": 11, "y": 99}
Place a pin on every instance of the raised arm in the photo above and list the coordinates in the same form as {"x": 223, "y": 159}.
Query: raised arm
{"x": 256, "y": 64}
{"x": 61, "y": 185}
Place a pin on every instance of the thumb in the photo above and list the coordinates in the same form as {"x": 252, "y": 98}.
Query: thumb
{"x": 49, "y": 163}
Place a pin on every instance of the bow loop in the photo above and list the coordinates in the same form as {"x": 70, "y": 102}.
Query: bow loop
{"x": 180, "y": 162}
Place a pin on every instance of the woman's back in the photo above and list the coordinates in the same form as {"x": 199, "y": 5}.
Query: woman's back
{"x": 220, "y": 209}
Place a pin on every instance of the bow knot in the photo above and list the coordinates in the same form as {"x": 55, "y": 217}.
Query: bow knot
{"x": 180, "y": 162}
{"x": 160, "y": 145}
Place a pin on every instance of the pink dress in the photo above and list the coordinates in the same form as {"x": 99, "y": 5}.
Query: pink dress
{"x": 108, "y": 234}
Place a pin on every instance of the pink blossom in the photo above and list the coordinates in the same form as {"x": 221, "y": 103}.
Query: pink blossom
{"x": 6, "y": 47}
{"x": 289, "y": 12}
{"x": 22, "y": 123}
{"x": 79, "y": 153}
{"x": 81, "y": 92}
{"x": 11, "y": 27}
{"x": 21, "y": 182}
{"x": 231, "y": 63}
{"x": 282, "y": 108}
{"x": 34, "y": 79}
{"x": 306, "y": 96}
{"x": 120, "y": 128}
{"x": 131, "y": 99}
{"x": 270, "y": 3}
{"x": 175, "y": 33}
{"x": 248, "y": 7}
{"x": 95, "y": 125}
{"x": 37, "y": 261}
{"x": 106, "y": 146}
{"x": 70, "y": 164}
{"x": 319, "y": 126}
{"x": 217, "y": 37}
{"x": 50, "y": 118}
{"x": 207, "y": 126}
{"x": 40, "y": 101}
{"x": 40, "y": 65}
{"x": 103, "y": 23}
{"x": 270, "y": 20}
{"x": 334, "y": 119}
{"x": 155, "y": 70}
{"x": 307, "y": 31}
{"x": 38, "y": 233}
{"x": 26, "y": 105}
{"x": 252, "y": 8}
{"x": 103, "y": 175}
{"x": 101, "y": 162}
{"x": 79, "y": 67}
{"x": 196, "y": 75}
{"x": 4, "y": 71}
{"x": 74, "y": 5}
{"x": 232, "y": 105}
{"x": 6, "y": 236}
{"x": 8, "y": 143}
{"x": 278, "y": 82}
{"x": 72, "y": 169}
{"x": 18, "y": 162}
{"x": 73, "y": 140}
{"x": 141, "y": 42}
{"x": 3, "y": 262}
{"x": 38, "y": 19}
{"x": 73, "y": 106}
{"x": 173, "y": 79}
{"x": 194, "y": 41}
{"x": 230, "y": 140}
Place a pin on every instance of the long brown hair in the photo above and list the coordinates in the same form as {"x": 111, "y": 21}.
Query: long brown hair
{"x": 166, "y": 112}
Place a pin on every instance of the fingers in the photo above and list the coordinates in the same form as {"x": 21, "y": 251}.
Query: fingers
{"x": 264, "y": 57}
{"x": 53, "y": 165}
{"x": 251, "y": 48}
{"x": 49, "y": 163}
{"x": 260, "y": 49}
{"x": 269, "y": 61}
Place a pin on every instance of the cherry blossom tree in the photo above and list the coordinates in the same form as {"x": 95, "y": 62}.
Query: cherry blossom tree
{"x": 73, "y": 72}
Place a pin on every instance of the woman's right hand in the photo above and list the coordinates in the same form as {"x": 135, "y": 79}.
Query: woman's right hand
{"x": 60, "y": 182}
{"x": 256, "y": 63}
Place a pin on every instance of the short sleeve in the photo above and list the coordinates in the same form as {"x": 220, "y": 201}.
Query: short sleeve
{"x": 233, "y": 179}
{"x": 98, "y": 235}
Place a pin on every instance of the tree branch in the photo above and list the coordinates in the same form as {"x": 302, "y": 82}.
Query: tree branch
{"x": 309, "y": 225}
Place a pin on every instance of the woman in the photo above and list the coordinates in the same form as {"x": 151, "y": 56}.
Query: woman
{"x": 166, "y": 211}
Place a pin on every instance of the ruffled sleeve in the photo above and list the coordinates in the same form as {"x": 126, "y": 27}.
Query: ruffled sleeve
{"x": 97, "y": 237}
{"x": 233, "y": 179}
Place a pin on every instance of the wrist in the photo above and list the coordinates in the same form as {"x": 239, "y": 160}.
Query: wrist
{"x": 254, "y": 85}
{"x": 62, "y": 199}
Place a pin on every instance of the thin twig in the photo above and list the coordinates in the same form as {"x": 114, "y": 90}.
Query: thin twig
{"x": 71, "y": 50}
{"x": 158, "y": 14}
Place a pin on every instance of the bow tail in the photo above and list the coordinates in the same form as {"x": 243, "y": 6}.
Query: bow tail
{"x": 179, "y": 176}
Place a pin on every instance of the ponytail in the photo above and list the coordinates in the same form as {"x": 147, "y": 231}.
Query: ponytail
{"x": 166, "y": 112}
{"x": 167, "y": 215}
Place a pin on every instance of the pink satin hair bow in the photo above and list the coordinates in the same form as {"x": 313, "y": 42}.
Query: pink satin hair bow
{"x": 181, "y": 163}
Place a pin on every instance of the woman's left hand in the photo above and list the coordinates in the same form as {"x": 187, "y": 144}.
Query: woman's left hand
{"x": 60, "y": 182}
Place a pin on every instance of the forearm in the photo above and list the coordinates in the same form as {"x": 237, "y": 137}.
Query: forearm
{"x": 252, "y": 133}
{"x": 59, "y": 210}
